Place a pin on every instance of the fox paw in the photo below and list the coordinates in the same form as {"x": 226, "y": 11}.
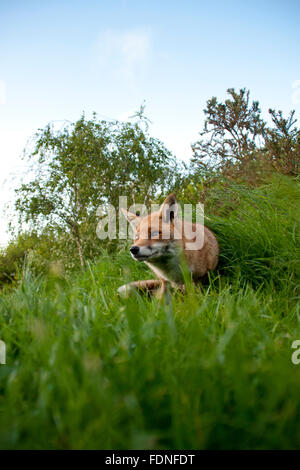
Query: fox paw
{"x": 125, "y": 290}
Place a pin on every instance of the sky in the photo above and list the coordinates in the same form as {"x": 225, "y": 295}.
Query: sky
{"x": 64, "y": 57}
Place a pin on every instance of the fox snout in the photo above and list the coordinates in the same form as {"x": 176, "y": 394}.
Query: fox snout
{"x": 143, "y": 252}
{"x": 140, "y": 253}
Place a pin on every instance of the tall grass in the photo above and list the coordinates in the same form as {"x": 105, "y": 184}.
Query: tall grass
{"x": 210, "y": 370}
{"x": 260, "y": 236}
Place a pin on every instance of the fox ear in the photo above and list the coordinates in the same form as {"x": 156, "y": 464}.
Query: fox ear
{"x": 132, "y": 218}
{"x": 169, "y": 208}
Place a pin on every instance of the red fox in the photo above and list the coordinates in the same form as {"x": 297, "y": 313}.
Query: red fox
{"x": 160, "y": 241}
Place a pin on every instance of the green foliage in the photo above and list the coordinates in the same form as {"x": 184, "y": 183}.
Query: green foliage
{"x": 283, "y": 143}
{"x": 231, "y": 131}
{"x": 45, "y": 252}
{"x": 13, "y": 256}
{"x": 86, "y": 164}
{"x": 237, "y": 142}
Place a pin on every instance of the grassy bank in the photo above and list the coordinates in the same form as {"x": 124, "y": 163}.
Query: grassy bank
{"x": 211, "y": 370}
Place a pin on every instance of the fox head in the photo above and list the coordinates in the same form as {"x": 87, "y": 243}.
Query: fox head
{"x": 154, "y": 234}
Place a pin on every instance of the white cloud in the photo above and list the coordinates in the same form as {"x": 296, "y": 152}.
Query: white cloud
{"x": 2, "y": 92}
{"x": 124, "y": 52}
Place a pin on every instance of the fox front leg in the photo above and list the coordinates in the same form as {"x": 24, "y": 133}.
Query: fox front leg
{"x": 146, "y": 287}
{"x": 164, "y": 292}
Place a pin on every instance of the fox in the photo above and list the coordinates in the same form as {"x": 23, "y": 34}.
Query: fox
{"x": 160, "y": 241}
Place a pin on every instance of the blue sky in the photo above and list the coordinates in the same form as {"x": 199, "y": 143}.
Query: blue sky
{"x": 60, "y": 58}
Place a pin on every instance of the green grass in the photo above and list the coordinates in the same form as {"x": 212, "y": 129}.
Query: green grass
{"x": 210, "y": 370}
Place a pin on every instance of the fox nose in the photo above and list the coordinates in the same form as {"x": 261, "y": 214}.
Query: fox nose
{"x": 134, "y": 250}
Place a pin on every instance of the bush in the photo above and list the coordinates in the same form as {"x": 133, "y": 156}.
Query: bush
{"x": 13, "y": 256}
{"x": 42, "y": 252}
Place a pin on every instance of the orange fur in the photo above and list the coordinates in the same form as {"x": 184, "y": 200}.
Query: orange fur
{"x": 164, "y": 254}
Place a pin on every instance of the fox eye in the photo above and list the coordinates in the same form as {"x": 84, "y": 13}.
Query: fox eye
{"x": 136, "y": 237}
{"x": 154, "y": 234}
